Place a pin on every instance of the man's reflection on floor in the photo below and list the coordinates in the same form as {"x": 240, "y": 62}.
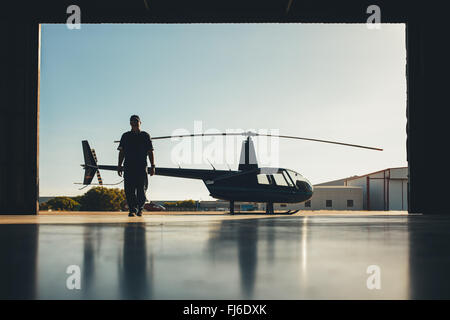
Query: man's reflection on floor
{"x": 135, "y": 272}
{"x": 92, "y": 237}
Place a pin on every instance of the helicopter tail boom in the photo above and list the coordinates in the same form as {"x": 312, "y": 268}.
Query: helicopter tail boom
{"x": 202, "y": 174}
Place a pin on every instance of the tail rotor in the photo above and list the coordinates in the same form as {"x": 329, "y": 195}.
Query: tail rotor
{"x": 99, "y": 178}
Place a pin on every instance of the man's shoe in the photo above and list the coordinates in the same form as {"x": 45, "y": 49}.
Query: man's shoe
{"x": 131, "y": 214}
{"x": 139, "y": 213}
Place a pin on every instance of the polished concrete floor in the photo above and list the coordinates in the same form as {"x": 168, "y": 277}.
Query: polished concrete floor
{"x": 225, "y": 257}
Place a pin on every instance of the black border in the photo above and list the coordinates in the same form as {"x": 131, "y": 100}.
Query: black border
{"x": 427, "y": 85}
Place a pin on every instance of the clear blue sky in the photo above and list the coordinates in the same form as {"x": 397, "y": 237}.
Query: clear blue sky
{"x": 326, "y": 81}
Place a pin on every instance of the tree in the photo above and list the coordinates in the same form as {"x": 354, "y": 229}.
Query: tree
{"x": 60, "y": 204}
{"x": 43, "y": 206}
{"x": 103, "y": 199}
{"x": 77, "y": 198}
{"x": 186, "y": 204}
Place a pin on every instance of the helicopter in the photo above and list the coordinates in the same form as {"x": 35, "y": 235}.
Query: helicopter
{"x": 250, "y": 183}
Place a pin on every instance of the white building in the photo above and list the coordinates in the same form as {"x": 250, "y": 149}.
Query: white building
{"x": 326, "y": 198}
{"x": 383, "y": 190}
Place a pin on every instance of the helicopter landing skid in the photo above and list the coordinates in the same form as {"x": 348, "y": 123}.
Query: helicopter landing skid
{"x": 289, "y": 212}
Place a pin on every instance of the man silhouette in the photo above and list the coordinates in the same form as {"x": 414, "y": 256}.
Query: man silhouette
{"x": 134, "y": 146}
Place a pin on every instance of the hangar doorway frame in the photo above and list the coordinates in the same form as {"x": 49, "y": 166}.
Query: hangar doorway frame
{"x": 19, "y": 169}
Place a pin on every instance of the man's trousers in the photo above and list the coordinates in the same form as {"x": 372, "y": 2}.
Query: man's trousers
{"x": 135, "y": 183}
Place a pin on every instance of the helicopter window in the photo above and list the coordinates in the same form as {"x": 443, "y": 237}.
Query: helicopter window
{"x": 263, "y": 179}
{"x": 280, "y": 179}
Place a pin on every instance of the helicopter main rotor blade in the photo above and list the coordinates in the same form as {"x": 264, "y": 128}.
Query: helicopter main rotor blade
{"x": 253, "y": 134}
{"x": 197, "y": 135}
{"x": 318, "y": 140}
{"x": 200, "y": 135}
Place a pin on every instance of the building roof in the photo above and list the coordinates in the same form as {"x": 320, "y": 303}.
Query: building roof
{"x": 368, "y": 174}
{"x": 337, "y": 187}
{"x": 343, "y": 180}
{"x": 334, "y": 182}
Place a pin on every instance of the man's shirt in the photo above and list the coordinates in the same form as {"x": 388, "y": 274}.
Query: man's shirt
{"x": 135, "y": 146}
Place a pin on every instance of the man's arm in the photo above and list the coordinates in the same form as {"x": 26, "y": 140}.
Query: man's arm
{"x": 119, "y": 166}
{"x": 152, "y": 161}
{"x": 121, "y": 155}
{"x": 149, "y": 146}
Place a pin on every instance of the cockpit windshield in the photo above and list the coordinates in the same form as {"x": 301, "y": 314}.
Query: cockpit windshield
{"x": 295, "y": 175}
{"x": 284, "y": 178}
{"x": 300, "y": 181}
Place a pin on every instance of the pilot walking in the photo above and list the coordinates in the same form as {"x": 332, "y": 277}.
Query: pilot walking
{"x": 134, "y": 146}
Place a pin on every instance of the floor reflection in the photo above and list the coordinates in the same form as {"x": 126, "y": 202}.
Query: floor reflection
{"x": 18, "y": 261}
{"x": 247, "y": 243}
{"x": 256, "y": 242}
{"x": 89, "y": 259}
{"x": 135, "y": 277}
{"x": 292, "y": 257}
{"x": 243, "y": 235}
{"x": 429, "y": 257}
{"x": 304, "y": 250}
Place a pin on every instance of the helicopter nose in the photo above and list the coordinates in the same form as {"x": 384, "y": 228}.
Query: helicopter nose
{"x": 304, "y": 186}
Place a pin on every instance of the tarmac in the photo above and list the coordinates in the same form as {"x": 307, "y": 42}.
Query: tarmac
{"x": 192, "y": 255}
